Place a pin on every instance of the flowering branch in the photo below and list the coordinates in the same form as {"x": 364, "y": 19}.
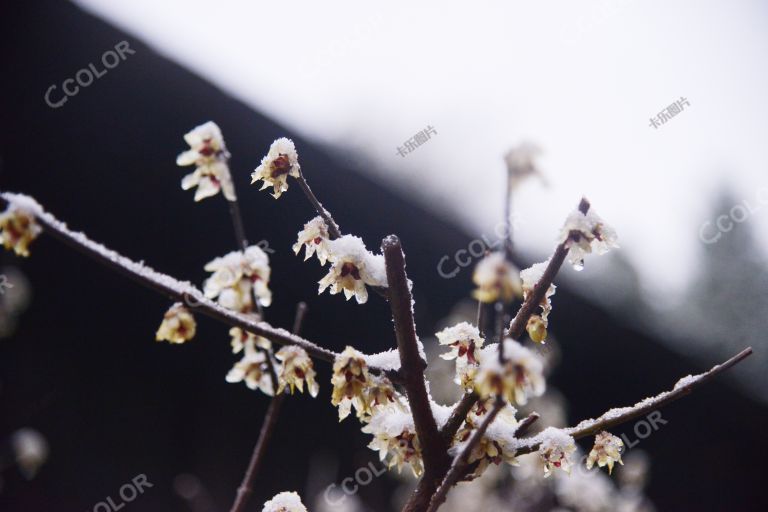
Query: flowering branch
{"x": 270, "y": 420}
{"x": 459, "y": 465}
{"x": 333, "y": 228}
{"x": 167, "y": 285}
{"x": 411, "y": 363}
{"x": 615, "y": 417}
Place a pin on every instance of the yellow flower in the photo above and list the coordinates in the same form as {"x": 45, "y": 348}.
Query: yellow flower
{"x": 519, "y": 378}
{"x": 537, "y": 328}
{"x": 496, "y": 279}
{"x": 17, "y": 229}
{"x": 350, "y": 380}
{"x": 296, "y": 369}
{"x": 253, "y": 368}
{"x": 208, "y": 152}
{"x": 394, "y": 437}
{"x": 314, "y": 238}
{"x": 606, "y": 451}
{"x": 352, "y": 268}
{"x": 555, "y": 450}
{"x": 247, "y": 341}
{"x": 463, "y": 338}
{"x": 494, "y": 445}
{"x": 178, "y": 325}
{"x": 281, "y": 161}
{"x": 237, "y": 277}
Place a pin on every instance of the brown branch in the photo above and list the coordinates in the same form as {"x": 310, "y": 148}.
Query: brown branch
{"x": 524, "y": 425}
{"x": 411, "y": 364}
{"x": 459, "y": 465}
{"x": 237, "y": 223}
{"x": 616, "y": 417}
{"x": 173, "y": 288}
{"x": 458, "y": 415}
{"x": 333, "y": 228}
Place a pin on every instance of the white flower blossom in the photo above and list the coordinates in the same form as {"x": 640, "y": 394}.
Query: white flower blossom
{"x": 242, "y": 340}
{"x": 207, "y": 152}
{"x": 606, "y": 451}
{"x": 585, "y": 233}
{"x": 314, "y": 239}
{"x": 253, "y": 368}
{"x": 394, "y": 437}
{"x": 284, "y": 502}
{"x": 555, "y": 450}
{"x": 496, "y": 444}
{"x": 521, "y": 163}
{"x": 352, "y": 268}
{"x": 297, "y": 368}
{"x": 281, "y": 161}
{"x": 17, "y": 229}
{"x": 236, "y": 276}
{"x": 463, "y": 338}
{"x": 178, "y": 325}
{"x": 496, "y": 279}
{"x": 519, "y": 378}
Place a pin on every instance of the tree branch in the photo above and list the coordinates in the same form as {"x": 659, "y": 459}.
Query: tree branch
{"x": 169, "y": 286}
{"x": 458, "y": 467}
{"x": 411, "y": 364}
{"x": 333, "y": 228}
{"x": 616, "y": 417}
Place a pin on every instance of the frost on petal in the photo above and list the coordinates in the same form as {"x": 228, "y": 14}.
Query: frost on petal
{"x": 239, "y": 277}
{"x": 297, "y": 368}
{"x": 517, "y": 380}
{"x": 584, "y": 234}
{"x": 284, "y": 502}
{"x": 209, "y": 154}
{"x": 394, "y": 437}
{"x": 496, "y": 279}
{"x": 606, "y": 451}
{"x": 18, "y": 228}
{"x": 555, "y": 450}
{"x": 463, "y": 338}
{"x": 281, "y": 161}
{"x": 352, "y": 268}
{"x": 314, "y": 238}
{"x": 178, "y": 325}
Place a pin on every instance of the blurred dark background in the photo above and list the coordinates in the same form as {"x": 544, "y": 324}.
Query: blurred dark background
{"x": 82, "y": 366}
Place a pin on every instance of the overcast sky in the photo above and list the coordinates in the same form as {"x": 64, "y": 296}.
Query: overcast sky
{"x": 582, "y": 81}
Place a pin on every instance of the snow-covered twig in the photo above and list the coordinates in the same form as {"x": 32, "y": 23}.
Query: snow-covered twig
{"x": 166, "y": 285}
{"x": 333, "y": 228}
{"x": 621, "y": 415}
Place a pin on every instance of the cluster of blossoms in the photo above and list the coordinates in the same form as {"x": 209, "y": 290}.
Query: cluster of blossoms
{"x": 178, "y": 325}
{"x": 496, "y": 444}
{"x": 555, "y": 450}
{"x": 497, "y": 279}
{"x": 209, "y": 154}
{"x": 17, "y": 229}
{"x": 296, "y": 368}
{"x": 238, "y": 277}
{"x": 394, "y": 437}
{"x": 354, "y": 386}
{"x": 537, "y": 323}
{"x": 606, "y": 451}
{"x": 584, "y": 233}
{"x": 516, "y": 380}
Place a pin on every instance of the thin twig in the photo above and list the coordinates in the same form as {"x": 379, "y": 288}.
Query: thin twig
{"x": 246, "y": 487}
{"x": 333, "y": 228}
{"x": 237, "y": 223}
{"x": 524, "y": 425}
{"x": 616, "y": 417}
{"x": 459, "y": 464}
{"x": 411, "y": 364}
